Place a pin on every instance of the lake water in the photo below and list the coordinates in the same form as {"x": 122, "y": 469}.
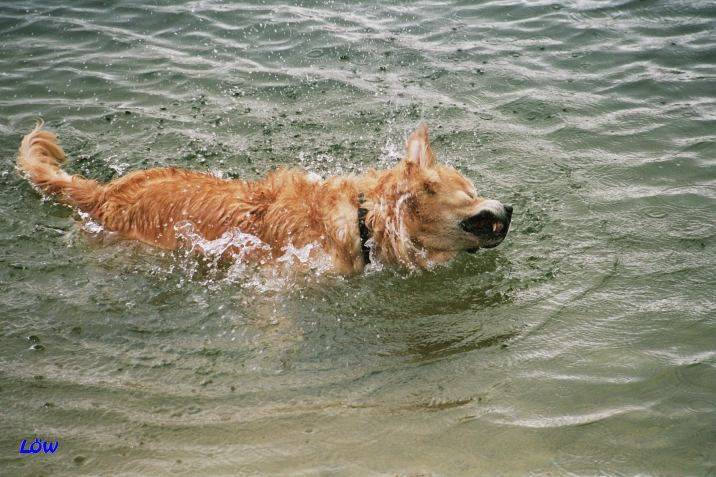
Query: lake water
{"x": 585, "y": 344}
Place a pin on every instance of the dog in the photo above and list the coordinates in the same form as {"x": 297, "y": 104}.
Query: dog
{"x": 416, "y": 214}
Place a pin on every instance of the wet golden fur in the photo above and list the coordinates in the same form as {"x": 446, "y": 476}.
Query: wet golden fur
{"x": 413, "y": 208}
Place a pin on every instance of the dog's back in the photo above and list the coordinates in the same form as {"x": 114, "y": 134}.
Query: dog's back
{"x": 285, "y": 208}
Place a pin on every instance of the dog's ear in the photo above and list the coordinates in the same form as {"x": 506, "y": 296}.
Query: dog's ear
{"x": 418, "y": 147}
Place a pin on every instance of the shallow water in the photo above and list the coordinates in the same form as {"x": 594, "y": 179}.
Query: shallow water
{"x": 583, "y": 345}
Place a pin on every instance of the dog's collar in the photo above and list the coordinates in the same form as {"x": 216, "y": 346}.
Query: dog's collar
{"x": 363, "y": 229}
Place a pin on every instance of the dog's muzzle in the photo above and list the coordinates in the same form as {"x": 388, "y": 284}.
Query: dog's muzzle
{"x": 489, "y": 225}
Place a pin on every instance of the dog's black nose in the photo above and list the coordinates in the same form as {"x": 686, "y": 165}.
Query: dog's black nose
{"x": 487, "y": 223}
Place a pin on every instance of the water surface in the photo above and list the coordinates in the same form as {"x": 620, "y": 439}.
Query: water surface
{"x": 583, "y": 345}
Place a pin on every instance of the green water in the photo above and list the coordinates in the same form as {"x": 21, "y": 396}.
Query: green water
{"x": 584, "y": 345}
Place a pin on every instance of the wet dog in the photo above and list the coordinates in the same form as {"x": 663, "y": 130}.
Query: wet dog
{"x": 416, "y": 214}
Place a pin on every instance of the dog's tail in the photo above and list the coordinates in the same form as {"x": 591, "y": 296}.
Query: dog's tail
{"x": 39, "y": 160}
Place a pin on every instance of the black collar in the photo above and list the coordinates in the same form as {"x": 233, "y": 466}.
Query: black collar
{"x": 363, "y": 229}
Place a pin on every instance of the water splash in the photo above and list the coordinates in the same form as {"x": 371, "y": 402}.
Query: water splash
{"x": 251, "y": 264}
{"x": 233, "y": 243}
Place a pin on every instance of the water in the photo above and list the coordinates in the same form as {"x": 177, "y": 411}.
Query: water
{"x": 583, "y": 345}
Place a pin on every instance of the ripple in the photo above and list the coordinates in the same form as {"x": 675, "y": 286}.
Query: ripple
{"x": 570, "y": 420}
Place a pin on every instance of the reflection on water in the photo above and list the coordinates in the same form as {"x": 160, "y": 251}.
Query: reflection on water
{"x": 585, "y": 341}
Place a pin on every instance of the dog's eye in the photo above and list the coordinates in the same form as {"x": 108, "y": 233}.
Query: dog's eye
{"x": 463, "y": 196}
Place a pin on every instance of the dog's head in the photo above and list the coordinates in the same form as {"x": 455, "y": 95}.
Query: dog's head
{"x": 443, "y": 213}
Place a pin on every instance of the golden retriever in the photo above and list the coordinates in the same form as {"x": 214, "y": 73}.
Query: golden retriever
{"x": 416, "y": 214}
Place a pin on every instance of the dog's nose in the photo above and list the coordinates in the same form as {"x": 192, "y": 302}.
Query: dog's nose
{"x": 487, "y": 223}
{"x": 508, "y": 209}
